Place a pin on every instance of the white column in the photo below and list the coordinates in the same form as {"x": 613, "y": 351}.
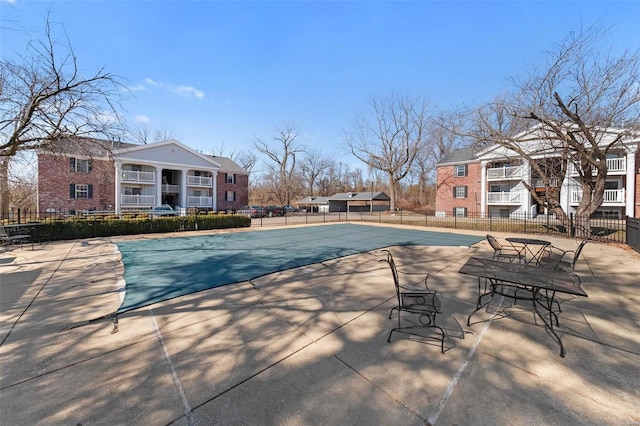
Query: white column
{"x": 630, "y": 187}
{"x": 118, "y": 189}
{"x": 158, "y": 185}
{"x": 214, "y": 197}
{"x": 526, "y": 177}
{"x": 183, "y": 188}
{"x": 483, "y": 188}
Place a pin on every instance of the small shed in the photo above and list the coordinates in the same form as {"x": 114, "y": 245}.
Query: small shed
{"x": 365, "y": 201}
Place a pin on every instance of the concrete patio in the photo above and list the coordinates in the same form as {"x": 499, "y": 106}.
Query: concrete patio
{"x": 308, "y": 346}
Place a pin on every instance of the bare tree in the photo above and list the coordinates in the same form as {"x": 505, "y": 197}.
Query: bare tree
{"x": 577, "y": 108}
{"x": 144, "y": 134}
{"x": 391, "y": 138}
{"x": 45, "y": 96}
{"x": 283, "y": 158}
{"x": 312, "y": 168}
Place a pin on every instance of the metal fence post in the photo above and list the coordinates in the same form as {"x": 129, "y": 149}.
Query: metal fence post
{"x": 572, "y": 229}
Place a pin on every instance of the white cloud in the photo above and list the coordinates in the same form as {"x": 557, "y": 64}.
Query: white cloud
{"x": 151, "y": 82}
{"x": 188, "y": 91}
{"x": 137, "y": 88}
{"x": 142, "y": 119}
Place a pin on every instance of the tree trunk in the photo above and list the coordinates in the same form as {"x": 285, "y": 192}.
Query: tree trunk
{"x": 4, "y": 185}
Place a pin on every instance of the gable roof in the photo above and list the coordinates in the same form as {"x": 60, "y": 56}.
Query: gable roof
{"x": 169, "y": 152}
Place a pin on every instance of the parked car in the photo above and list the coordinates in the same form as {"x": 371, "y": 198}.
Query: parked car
{"x": 251, "y": 211}
{"x": 274, "y": 211}
{"x": 290, "y": 209}
{"x": 163, "y": 210}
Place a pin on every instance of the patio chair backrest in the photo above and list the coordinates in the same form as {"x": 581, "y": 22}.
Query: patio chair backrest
{"x": 394, "y": 272}
{"x": 3, "y": 232}
{"x": 494, "y": 242}
{"x": 577, "y": 253}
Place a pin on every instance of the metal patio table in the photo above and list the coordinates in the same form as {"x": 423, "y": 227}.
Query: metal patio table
{"x": 528, "y": 243}
{"x": 523, "y": 282}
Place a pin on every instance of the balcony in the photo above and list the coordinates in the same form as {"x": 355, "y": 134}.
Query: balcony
{"x": 615, "y": 166}
{"x": 539, "y": 183}
{"x": 170, "y": 189}
{"x": 611, "y": 197}
{"x": 504, "y": 173}
{"x": 138, "y": 200}
{"x": 504, "y": 198}
{"x": 138, "y": 176}
{"x": 200, "y": 181}
{"x": 199, "y": 201}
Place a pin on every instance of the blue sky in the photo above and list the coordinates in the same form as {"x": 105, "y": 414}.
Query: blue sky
{"x": 222, "y": 73}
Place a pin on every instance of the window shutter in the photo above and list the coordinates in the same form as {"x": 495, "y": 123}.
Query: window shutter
{"x": 454, "y": 192}
{"x": 234, "y": 195}
{"x": 466, "y": 170}
{"x": 465, "y": 212}
{"x": 90, "y": 167}
{"x": 466, "y": 193}
{"x": 72, "y": 191}
{"x": 234, "y": 178}
{"x": 72, "y": 164}
{"x": 90, "y": 191}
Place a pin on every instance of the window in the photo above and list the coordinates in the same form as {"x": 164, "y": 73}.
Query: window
{"x": 611, "y": 184}
{"x": 460, "y": 211}
{"x": 460, "y": 170}
{"x": 459, "y": 192}
{"x": 230, "y": 195}
{"x": 80, "y": 191}
{"x": 78, "y": 165}
{"x": 230, "y": 178}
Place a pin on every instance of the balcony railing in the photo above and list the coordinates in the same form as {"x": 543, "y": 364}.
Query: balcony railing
{"x": 138, "y": 200}
{"x": 138, "y": 176}
{"x": 503, "y": 173}
{"x": 611, "y": 196}
{"x": 616, "y": 196}
{"x": 614, "y": 165}
{"x": 503, "y": 197}
{"x": 199, "y": 201}
{"x": 170, "y": 188}
{"x": 200, "y": 181}
{"x": 539, "y": 183}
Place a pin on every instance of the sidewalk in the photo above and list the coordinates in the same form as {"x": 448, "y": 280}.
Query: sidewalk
{"x": 308, "y": 346}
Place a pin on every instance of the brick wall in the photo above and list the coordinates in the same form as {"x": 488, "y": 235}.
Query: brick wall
{"x": 241, "y": 188}
{"x": 55, "y": 177}
{"x": 447, "y": 181}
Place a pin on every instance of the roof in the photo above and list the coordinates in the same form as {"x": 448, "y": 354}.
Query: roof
{"x": 461, "y": 156}
{"x": 346, "y": 196}
{"x": 229, "y": 166}
{"x": 83, "y": 146}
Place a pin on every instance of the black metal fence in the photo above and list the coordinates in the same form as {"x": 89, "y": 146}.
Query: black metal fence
{"x": 600, "y": 229}
{"x": 633, "y": 233}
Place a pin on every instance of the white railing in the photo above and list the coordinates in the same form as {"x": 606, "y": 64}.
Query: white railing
{"x": 503, "y": 197}
{"x": 504, "y": 173}
{"x": 138, "y": 176}
{"x": 539, "y": 183}
{"x": 170, "y": 188}
{"x": 615, "y": 196}
{"x": 200, "y": 181}
{"x": 199, "y": 201}
{"x": 138, "y": 200}
{"x": 614, "y": 165}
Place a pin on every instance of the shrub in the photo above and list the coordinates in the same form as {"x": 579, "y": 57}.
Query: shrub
{"x": 76, "y": 228}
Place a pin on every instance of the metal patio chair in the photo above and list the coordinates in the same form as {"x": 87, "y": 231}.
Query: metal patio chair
{"x": 557, "y": 258}
{"x": 509, "y": 252}
{"x": 12, "y": 239}
{"x": 421, "y": 305}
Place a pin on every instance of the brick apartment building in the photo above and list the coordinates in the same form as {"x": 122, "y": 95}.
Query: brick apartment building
{"x": 90, "y": 174}
{"x": 489, "y": 181}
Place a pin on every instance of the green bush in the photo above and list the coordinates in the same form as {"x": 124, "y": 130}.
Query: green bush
{"x": 81, "y": 228}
